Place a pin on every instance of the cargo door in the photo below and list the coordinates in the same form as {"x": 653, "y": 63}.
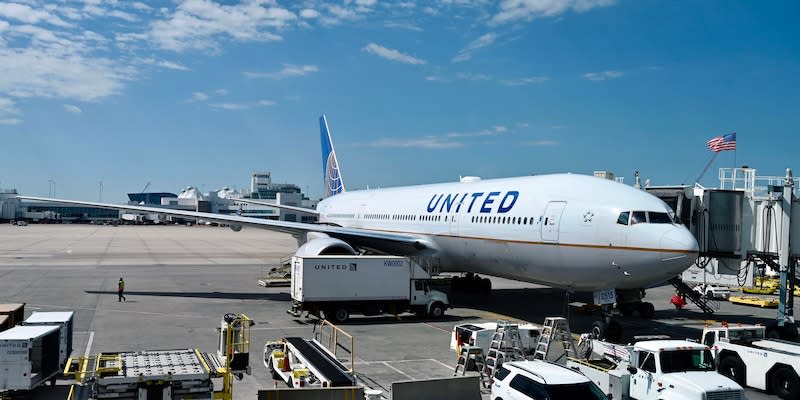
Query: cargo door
{"x": 552, "y": 221}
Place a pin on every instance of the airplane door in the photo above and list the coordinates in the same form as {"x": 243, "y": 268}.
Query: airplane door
{"x": 552, "y": 220}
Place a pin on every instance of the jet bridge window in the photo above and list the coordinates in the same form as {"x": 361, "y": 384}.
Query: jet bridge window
{"x": 623, "y": 217}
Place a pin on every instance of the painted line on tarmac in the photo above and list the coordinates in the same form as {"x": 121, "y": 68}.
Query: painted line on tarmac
{"x": 411, "y": 378}
{"x": 122, "y": 311}
{"x": 89, "y": 344}
{"x": 275, "y": 328}
{"x": 448, "y": 367}
{"x": 436, "y": 327}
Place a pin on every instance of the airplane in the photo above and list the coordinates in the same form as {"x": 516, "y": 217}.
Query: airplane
{"x": 569, "y": 231}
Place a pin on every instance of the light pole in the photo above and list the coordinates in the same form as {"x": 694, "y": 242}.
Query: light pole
{"x": 101, "y": 192}
{"x": 51, "y": 188}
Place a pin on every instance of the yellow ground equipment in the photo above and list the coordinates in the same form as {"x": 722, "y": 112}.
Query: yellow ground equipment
{"x": 756, "y": 301}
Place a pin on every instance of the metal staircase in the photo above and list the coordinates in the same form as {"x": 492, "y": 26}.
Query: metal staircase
{"x": 709, "y": 306}
{"x": 506, "y": 345}
{"x": 554, "y": 329}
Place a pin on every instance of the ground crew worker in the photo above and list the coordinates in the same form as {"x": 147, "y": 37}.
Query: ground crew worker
{"x": 121, "y": 290}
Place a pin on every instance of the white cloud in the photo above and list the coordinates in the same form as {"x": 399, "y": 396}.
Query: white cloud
{"x": 164, "y": 64}
{"x": 288, "y": 71}
{"x": 230, "y": 106}
{"x": 123, "y": 15}
{"x": 57, "y": 72}
{"x": 406, "y": 26}
{"x": 392, "y": 54}
{"x": 309, "y": 13}
{"x": 28, "y": 15}
{"x": 431, "y": 142}
{"x": 603, "y": 75}
{"x": 430, "y": 11}
{"x": 365, "y": 3}
{"x": 141, "y": 6}
{"x": 73, "y": 109}
{"x": 199, "y": 24}
{"x": 7, "y": 106}
{"x": 483, "y": 41}
{"x": 221, "y": 92}
{"x": 435, "y": 78}
{"x": 10, "y": 121}
{"x": 267, "y": 103}
{"x": 494, "y": 131}
{"x": 197, "y": 96}
{"x": 512, "y": 10}
{"x": 541, "y": 143}
{"x": 531, "y": 80}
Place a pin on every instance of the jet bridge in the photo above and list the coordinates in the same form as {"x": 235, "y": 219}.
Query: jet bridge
{"x": 743, "y": 228}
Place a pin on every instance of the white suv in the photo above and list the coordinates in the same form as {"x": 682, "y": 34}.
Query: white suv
{"x": 540, "y": 380}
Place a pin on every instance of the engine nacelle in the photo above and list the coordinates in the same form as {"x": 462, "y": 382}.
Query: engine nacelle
{"x": 235, "y": 228}
{"x": 325, "y": 246}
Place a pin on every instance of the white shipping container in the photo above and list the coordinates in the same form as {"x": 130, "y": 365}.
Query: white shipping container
{"x": 64, "y": 320}
{"x": 348, "y": 278}
{"x": 28, "y": 356}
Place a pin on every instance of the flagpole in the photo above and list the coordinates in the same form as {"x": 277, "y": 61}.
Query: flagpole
{"x": 716, "y": 153}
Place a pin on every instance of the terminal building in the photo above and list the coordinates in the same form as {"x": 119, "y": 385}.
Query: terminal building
{"x": 223, "y": 201}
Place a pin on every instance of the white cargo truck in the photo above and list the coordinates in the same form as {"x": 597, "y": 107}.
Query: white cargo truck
{"x": 746, "y": 356}
{"x": 28, "y": 357}
{"x": 657, "y": 370}
{"x": 63, "y": 319}
{"x": 480, "y": 334}
{"x": 333, "y": 287}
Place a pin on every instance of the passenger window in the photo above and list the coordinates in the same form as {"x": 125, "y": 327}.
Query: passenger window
{"x": 638, "y": 217}
{"x": 623, "y": 217}
{"x": 419, "y": 285}
{"x": 501, "y": 373}
{"x": 529, "y": 387}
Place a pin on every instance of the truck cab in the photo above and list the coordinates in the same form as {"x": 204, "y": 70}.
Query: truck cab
{"x": 674, "y": 369}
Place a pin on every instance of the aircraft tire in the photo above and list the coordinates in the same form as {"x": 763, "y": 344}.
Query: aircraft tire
{"x": 599, "y": 329}
{"x": 485, "y": 286}
{"x": 647, "y": 310}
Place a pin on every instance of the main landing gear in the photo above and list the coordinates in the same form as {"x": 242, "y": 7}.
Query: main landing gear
{"x": 471, "y": 283}
{"x": 629, "y": 303}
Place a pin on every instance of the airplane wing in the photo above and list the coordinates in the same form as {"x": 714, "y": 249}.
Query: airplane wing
{"x": 378, "y": 240}
{"x": 302, "y": 210}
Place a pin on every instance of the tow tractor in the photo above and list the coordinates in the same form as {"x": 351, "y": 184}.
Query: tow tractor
{"x": 744, "y": 354}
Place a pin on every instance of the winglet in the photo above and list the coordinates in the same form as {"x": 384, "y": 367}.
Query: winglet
{"x": 330, "y": 165}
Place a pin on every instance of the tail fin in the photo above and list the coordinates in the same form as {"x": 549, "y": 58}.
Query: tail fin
{"x": 330, "y": 165}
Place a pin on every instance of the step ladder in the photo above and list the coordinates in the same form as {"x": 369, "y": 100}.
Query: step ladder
{"x": 709, "y": 306}
{"x": 506, "y": 345}
{"x": 554, "y": 329}
{"x": 471, "y": 359}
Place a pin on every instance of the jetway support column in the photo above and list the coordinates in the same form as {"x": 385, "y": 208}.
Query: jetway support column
{"x": 787, "y": 266}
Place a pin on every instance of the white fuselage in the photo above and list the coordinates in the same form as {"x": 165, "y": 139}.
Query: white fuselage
{"x": 559, "y": 230}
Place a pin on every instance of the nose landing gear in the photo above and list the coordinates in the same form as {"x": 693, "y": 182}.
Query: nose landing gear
{"x": 629, "y": 303}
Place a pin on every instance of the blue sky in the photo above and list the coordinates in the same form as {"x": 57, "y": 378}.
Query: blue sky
{"x": 196, "y": 92}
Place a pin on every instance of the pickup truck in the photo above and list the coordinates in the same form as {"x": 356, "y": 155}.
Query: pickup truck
{"x": 713, "y": 291}
{"x": 744, "y": 354}
{"x": 657, "y": 370}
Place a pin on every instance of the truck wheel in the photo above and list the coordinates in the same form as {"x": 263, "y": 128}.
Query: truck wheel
{"x": 732, "y": 368}
{"x": 437, "y": 310}
{"x": 341, "y": 315}
{"x": 599, "y": 329}
{"x": 784, "y": 384}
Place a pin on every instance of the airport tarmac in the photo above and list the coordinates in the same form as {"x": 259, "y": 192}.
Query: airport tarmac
{"x": 181, "y": 281}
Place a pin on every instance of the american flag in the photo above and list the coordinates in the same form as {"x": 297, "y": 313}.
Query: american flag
{"x": 722, "y": 143}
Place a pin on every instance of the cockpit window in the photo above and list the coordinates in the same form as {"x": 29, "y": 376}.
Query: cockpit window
{"x": 623, "y": 217}
{"x": 659, "y": 218}
{"x": 638, "y": 217}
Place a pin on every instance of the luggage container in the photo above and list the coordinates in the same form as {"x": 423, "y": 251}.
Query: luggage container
{"x": 14, "y": 314}
{"x": 28, "y": 357}
{"x": 64, "y": 320}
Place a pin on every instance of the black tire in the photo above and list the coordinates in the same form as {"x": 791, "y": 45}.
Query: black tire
{"x": 341, "y": 315}
{"x": 773, "y": 332}
{"x": 647, "y": 310}
{"x": 485, "y": 285}
{"x": 599, "y": 329}
{"x": 789, "y": 332}
{"x": 455, "y": 284}
{"x": 732, "y": 368}
{"x": 784, "y": 384}
{"x": 437, "y": 310}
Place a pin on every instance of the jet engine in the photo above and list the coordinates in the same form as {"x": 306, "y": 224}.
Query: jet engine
{"x": 324, "y": 245}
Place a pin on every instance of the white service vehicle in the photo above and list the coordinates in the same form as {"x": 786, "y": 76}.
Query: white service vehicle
{"x": 713, "y": 291}
{"x": 537, "y": 379}
{"x": 333, "y": 287}
{"x": 480, "y": 335}
{"x": 657, "y": 370}
{"x": 744, "y": 354}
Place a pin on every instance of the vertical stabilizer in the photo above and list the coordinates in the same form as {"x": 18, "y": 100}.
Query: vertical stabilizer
{"x": 330, "y": 165}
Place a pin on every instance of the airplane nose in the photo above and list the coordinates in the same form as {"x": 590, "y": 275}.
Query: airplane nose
{"x": 679, "y": 239}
